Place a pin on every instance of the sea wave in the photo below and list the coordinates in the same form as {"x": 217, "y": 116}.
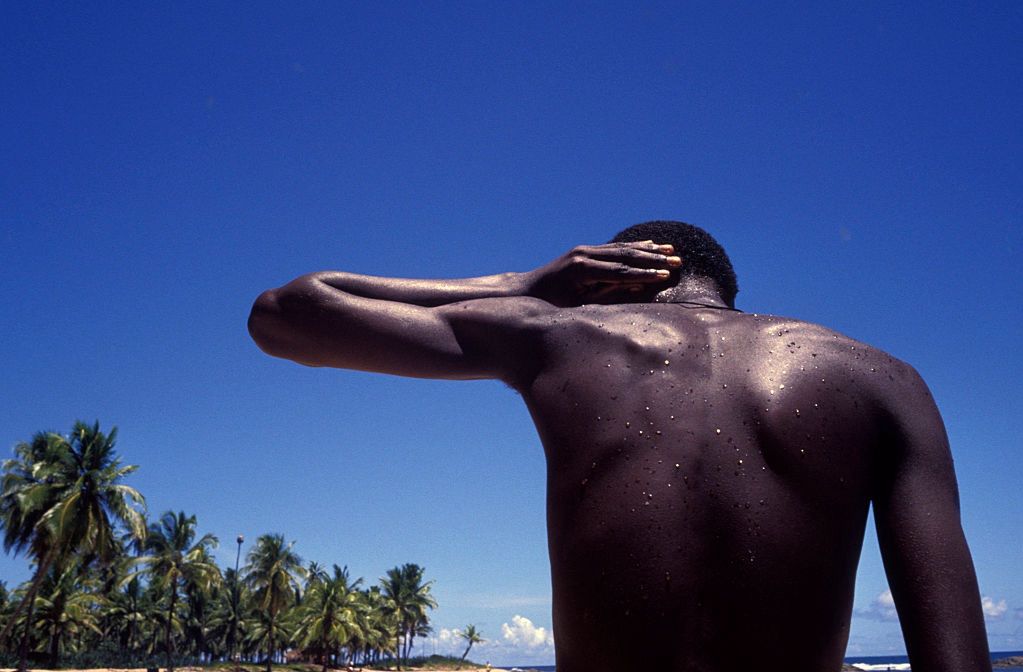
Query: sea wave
{"x": 881, "y": 666}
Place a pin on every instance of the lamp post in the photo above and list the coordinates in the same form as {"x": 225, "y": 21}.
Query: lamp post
{"x": 236, "y": 594}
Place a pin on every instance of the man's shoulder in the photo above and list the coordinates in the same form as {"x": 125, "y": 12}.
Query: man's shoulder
{"x": 832, "y": 352}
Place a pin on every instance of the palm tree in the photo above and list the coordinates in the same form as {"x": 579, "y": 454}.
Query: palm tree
{"x": 378, "y": 629}
{"x": 329, "y": 617}
{"x": 174, "y": 559}
{"x": 65, "y": 610}
{"x": 407, "y": 599}
{"x": 227, "y": 621}
{"x": 200, "y": 594}
{"x": 472, "y": 636}
{"x": 25, "y": 499}
{"x": 272, "y": 572}
{"x": 61, "y": 496}
{"x": 126, "y": 614}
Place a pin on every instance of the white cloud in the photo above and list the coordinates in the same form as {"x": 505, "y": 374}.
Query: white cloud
{"x": 881, "y": 609}
{"x": 446, "y": 638}
{"x": 993, "y": 609}
{"x": 522, "y": 633}
{"x": 520, "y": 642}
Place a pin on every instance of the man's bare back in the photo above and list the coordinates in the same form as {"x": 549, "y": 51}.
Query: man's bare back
{"x": 709, "y": 471}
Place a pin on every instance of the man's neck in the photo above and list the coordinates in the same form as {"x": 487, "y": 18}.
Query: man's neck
{"x": 693, "y": 290}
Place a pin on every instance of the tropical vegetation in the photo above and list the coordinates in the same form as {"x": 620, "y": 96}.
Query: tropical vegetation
{"x": 110, "y": 588}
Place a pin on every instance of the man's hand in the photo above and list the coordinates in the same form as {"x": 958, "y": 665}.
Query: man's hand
{"x": 603, "y": 273}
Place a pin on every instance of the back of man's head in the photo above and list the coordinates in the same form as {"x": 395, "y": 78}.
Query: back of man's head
{"x": 701, "y": 254}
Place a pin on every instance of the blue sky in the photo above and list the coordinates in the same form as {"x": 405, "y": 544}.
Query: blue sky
{"x": 164, "y": 164}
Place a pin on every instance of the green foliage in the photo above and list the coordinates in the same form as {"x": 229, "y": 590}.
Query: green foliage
{"x": 110, "y": 590}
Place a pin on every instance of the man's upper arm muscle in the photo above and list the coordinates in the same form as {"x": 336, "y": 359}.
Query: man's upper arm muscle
{"x": 916, "y": 509}
{"x": 314, "y": 324}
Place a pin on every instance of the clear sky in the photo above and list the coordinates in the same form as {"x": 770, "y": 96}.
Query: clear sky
{"x": 164, "y": 163}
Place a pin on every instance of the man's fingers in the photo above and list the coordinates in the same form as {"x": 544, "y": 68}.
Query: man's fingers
{"x": 642, "y": 255}
{"x": 617, "y": 273}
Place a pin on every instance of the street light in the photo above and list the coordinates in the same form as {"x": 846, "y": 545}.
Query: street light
{"x": 235, "y": 597}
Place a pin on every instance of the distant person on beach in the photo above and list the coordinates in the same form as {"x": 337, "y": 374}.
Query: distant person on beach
{"x": 709, "y": 471}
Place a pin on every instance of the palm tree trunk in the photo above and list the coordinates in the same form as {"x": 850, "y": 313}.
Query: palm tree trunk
{"x": 23, "y": 647}
{"x": 397, "y": 649}
{"x": 55, "y": 649}
{"x": 270, "y": 647}
{"x": 170, "y": 622}
{"x": 30, "y": 599}
{"x": 131, "y": 624}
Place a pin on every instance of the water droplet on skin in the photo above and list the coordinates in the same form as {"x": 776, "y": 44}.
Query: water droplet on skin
{"x": 797, "y": 412}
{"x": 584, "y": 481}
{"x": 781, "y": 387}
{"x": 677, "y": 465}
{"x": 666, "y": 362}
{"x": 717, "y": 431}
{"x": 740, "y": 461}
{"x": 641, "y": 431}
{"x": 648, "y": 408}
{"x": 628, "y": 424}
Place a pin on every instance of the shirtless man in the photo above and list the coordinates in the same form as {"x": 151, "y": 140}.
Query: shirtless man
{"x": 709, "y": 471}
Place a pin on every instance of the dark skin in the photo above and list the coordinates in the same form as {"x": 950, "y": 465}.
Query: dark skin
{"x": 709, "y": 472}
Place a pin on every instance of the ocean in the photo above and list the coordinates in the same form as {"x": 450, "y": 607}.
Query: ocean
{"x": 863, "y": 662}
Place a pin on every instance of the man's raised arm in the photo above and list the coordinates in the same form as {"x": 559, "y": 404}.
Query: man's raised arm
{"x": 442, "y": 328}
{"x": 916, "y": 508}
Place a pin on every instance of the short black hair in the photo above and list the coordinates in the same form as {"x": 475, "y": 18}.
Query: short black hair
{"x": 701, "y": 254}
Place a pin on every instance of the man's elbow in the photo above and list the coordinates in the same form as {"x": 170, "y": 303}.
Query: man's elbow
{"x": 267, "y": 324}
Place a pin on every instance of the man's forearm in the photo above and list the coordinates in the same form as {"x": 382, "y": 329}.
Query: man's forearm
{"x": 427, "y": 292}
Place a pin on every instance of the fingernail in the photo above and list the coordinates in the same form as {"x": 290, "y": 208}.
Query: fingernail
{"x": 667, "y": 249}
{"x": 674, "y": 261}
{"x": 634, "y": 288}
{"x": 663, "y": 272}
